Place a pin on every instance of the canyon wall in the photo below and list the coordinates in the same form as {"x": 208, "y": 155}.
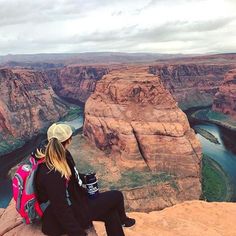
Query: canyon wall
{"x": 225, "y": 98}
{"x": 191, "y": 84}
{"x": 27, "y": 104}
{"x": 133, "y": 117}
{"x": 29, "y": 99}
{"x": 75, "y": 83}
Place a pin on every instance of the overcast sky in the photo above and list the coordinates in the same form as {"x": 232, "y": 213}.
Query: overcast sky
{"x": 160, "y": 26}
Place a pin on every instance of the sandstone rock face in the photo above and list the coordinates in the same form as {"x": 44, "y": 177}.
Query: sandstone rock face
{"x": 225, "y": 99}
{"x": 144, "y": 190}
{"x": 159, "y": 196}
{"x": 133, "y": 117}
{"x": 191, "y": 84}
{"x": 27, "y": 103}
{"x": 75, "y": 82}
{"x": 189, "y": 218}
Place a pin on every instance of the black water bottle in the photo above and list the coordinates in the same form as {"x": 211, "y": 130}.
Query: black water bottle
{"x": 92, "y": 185}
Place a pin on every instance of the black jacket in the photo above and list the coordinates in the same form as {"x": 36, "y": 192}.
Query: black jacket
{"x": 60, "y": 218}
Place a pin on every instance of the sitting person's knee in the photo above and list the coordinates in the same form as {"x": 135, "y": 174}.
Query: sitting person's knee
{"x": 118, "y": 195}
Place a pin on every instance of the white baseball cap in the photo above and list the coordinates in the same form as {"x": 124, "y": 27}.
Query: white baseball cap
{"x": 60, "y": 131}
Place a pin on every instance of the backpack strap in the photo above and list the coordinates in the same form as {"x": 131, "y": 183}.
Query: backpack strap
{"x": 40, "y": 161}
{"x": 43, "y": 205}
{"x": 35, "y": 161}
{"x": 32, "y": 161}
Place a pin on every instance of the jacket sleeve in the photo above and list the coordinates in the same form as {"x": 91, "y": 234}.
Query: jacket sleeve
{"x": 56, "y": 190}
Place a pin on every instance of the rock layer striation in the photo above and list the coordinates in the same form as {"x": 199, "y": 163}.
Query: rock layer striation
{"x": 225, "y": 99}
{"x": 75, "y": 83}
{"x": 27, "y": 104}
{"x": 29, "y": 99}
{"x": 191, "y": 84}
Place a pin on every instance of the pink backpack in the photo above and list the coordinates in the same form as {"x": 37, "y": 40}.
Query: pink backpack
{"x": 24, "y": 192}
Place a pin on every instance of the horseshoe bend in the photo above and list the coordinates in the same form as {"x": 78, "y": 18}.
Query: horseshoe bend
{"x": 136, "y": 121}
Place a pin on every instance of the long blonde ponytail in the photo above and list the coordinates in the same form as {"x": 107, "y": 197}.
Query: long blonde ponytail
{"x": 55, "y": 157}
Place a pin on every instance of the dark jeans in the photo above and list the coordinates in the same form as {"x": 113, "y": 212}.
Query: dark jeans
{"x": 109, "y": 208}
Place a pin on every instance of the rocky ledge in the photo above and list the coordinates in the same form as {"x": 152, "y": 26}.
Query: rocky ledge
{"x": 225, "y": 99}
{"x": 135, "y": 119}
{"x": 193, "y": 218}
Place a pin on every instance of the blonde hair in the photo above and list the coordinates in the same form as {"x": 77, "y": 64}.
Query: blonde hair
{"x": 55, "y": 157}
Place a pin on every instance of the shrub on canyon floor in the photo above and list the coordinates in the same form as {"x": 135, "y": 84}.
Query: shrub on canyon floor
{"x": 133, "y": 178}
{"x": 215, "y": 184}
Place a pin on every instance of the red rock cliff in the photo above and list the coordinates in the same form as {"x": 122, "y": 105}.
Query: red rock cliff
{"x": 75, "y": 83}
{"x": 27, "y": 103}
{"x": 132, "y": 116}
{"x": 191, "y": 84}
{"x": 225, "y": 99}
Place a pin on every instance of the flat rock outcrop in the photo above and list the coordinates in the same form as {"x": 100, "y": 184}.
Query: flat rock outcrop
{"x": 191, "y": 84}
{"x": 133, "y": 117}
{"x": 193, "y": 218}
{"x": 225, "y": 99}
{"x": 27, "y": 104}
{"x": 144, "y": 191}
{"x": 75, "y": 83}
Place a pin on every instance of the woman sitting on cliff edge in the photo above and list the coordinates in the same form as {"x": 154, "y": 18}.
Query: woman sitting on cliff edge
{"x": 75, "y": 216}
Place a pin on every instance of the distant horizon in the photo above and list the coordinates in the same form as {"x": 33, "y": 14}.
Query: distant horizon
{"x": 113, "y": 52}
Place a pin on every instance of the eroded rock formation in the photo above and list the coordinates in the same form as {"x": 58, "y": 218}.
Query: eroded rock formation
{"x": 27, "y": 104}
{"x": 191, "y": 84}
{"x": 133, "y": 117}
{"x": 29, "y": 99}
{"x": 189, "y": 218}
{"x": 225, "y": 99}
{"x": 75, "y": 83}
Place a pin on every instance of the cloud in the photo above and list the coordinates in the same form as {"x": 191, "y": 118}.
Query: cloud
{"x": 170, "y": 31}
{"x": 111, "y": 25}
{"x": 21, "y": 11}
